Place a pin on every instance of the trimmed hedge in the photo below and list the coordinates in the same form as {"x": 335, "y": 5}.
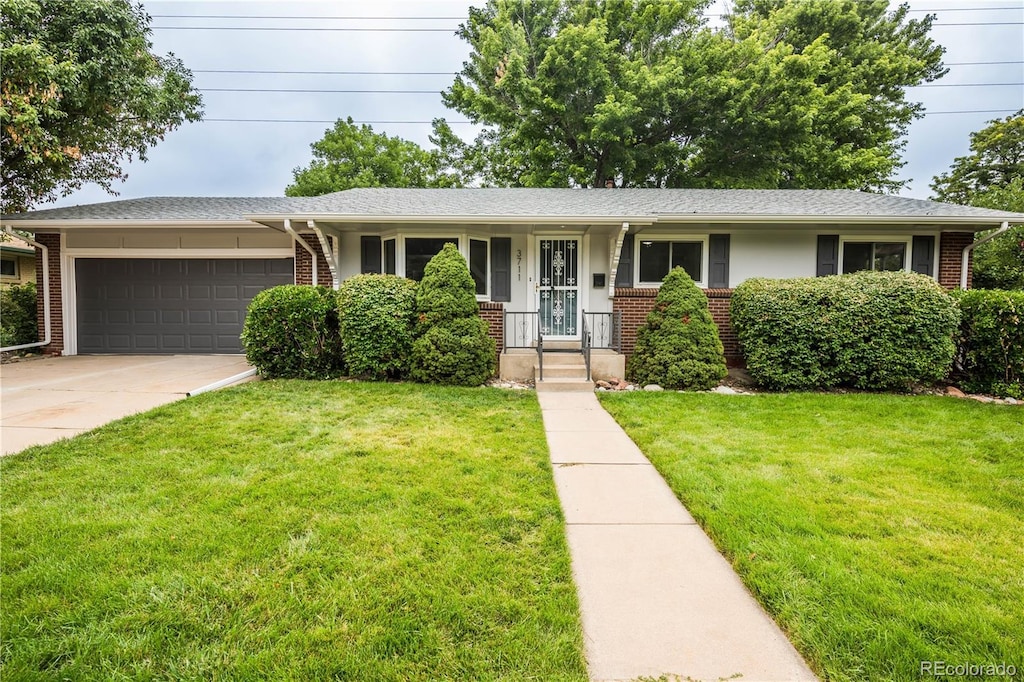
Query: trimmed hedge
{"x": 452, "y": 346}
{"x": 291, "y": 331}
{"x": 678, "y": 346}
{"x": 18, "y": 323}
{"x": 869, "y": 330}
{"x": 990, "y": 352}
{"x": 378, "y": 315}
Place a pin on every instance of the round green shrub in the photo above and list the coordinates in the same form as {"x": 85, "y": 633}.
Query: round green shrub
{"x": 455, "y": 353}
{"x": 990, "y": 351}
{"x": 678, "y": 346}
{"x": 452, "y": 346}
{"x": 378, "y": 316}
{"x": 868, "y": 330}
{"x": 291, "y": 331}
{"x": 18, "y": 322}
{"x": 447, "y": 291}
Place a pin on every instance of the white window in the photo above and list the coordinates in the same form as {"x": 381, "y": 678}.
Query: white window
{"x": 419, "y": 251}
{"x": 657, "y": 256}
{"x": 890, "y": 256}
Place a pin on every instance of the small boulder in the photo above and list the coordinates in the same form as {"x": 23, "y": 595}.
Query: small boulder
{"x": 724, "y": 390}
{"x": 1011, "y": 401}
{"x": 602, "y": 384}
{"x": 613, "y": 382}
{"x": 653, "y": 387}
{"x": 955, "y": 392}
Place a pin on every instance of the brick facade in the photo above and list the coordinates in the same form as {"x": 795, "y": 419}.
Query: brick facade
{"x": 633, "y": 305}
{"x": 52, "y": 243}
{"x": 304, "y": 263}
{"x": 951, "y": 249}
{"x": 494, "y": 315}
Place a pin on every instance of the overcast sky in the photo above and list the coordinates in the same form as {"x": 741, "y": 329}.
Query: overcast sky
{"x": 225, "y": 156}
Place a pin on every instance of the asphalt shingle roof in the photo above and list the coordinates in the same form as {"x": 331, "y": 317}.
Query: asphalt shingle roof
{"x": 525, "y": 202}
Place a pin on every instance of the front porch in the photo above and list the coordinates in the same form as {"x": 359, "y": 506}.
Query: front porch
{"x": 528, "y": 351}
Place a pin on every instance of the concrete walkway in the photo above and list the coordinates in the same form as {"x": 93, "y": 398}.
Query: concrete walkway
{"x": 656, "y": 596}
{"x": 45, "y": 399}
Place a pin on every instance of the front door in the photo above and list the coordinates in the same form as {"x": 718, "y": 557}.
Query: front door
{"x": 559, "y": 288}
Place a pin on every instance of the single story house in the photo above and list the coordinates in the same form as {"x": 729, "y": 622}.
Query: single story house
{"x": 174, "y": 274}
{"x": 17, "y": 262}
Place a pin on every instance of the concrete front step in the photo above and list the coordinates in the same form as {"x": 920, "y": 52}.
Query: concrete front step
{"x": 553, "y": 385}
{"x": 562, "y": 372}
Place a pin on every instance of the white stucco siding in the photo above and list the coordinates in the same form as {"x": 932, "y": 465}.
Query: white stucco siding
{"x": 523, "y": 297}
{"x": 349, "y": 254}
{"x": 598, "y": 300}
{"x": 775, "y": 253}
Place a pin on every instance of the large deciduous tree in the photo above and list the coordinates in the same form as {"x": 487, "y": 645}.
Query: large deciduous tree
{"x": 787, "y": 93}
{"x": 81, "y": 92}
{"x": 992, "y": 176}
{"x": 351, "y": 155}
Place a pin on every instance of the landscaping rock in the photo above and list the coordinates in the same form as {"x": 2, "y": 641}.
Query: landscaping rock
{"x": 653, "y": 387}
{"x": 1011, "y": 401}
{"x": 602, "y": 384}
{"x": 955, "y": 392}
{"x": 981, "y": 398}
{"x": 725, "y": 390}
{"x": 613, "y": 382}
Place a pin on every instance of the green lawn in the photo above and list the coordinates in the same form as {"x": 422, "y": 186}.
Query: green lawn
{"x": 292, "y": 530}
{"x": 880, "y": 531}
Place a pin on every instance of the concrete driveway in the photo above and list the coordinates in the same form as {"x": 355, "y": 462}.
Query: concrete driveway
{"x": 48, "y": 399}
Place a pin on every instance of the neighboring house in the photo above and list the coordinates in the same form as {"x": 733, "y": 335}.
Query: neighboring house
{"x": 17, "y": 262}
{"x": 174, "y": 275}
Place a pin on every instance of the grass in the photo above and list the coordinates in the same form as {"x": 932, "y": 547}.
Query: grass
{"x": 292, "y": 530}
{"x": 880, "y": 531}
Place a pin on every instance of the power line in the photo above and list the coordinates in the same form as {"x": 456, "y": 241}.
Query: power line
{"x": 452, "y": 73}
{"x": 369, "y": 122}
{"x": 964, "y": 85}
{"x": 304, "y": 90}
{"x": 357, "y": 29}
{"x": 340, "y": 73}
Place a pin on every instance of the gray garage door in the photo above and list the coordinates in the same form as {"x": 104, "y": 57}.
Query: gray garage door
{"x": 161, "y": 305}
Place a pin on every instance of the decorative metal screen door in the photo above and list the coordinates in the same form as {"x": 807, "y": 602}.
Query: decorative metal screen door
{"x": 559, "y": 287}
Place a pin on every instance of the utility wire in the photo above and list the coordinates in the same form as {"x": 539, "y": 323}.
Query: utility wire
{"x": 369, "y": 122}
{"x": 356, "y": 29}
{"x": 452, "y": 73}
{"x": 464, "y": 18}
{"x": 434, "y": 92}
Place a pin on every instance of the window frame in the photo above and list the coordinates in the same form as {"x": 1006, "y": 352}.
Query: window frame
{"x": 906, "y": 240}
{"x": 462, "y": 239}
{"x": 17, "y": 267}
{"x": 705, "y": 254}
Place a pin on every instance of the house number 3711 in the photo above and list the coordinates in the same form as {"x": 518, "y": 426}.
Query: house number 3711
{"x": 519, "y": 265}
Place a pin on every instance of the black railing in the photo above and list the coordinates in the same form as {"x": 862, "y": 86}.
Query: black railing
{"x": 585, "y": 344}
{"x": 522, "y": 330}
{"x": 605, "y": 330}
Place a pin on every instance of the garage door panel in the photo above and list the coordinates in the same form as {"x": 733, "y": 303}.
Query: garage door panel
{"x": 169, "y": 305}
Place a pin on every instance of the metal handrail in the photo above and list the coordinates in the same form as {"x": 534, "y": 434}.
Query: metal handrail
{"x": 604, "y": 329}
{"x": 586, "y": 344}
{"x": 521, "y": 329}
{"x": 540, "y": 349}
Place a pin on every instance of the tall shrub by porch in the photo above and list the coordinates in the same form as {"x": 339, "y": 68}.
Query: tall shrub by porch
{"x": 378, "y": 318}
{"x": 452, "y": 346}
{"x": 678, "y": 346}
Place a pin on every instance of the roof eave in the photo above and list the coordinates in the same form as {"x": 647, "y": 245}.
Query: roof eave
{"x": 74, "y": 224}
{"x": 459, "y": 219}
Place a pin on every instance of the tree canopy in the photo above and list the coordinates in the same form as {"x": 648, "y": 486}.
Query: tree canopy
{"x": 81, "y": 92}
{"x": 992, "y": 176}
{"x": 788, "y": 94}
{"x": 351, "y": 155}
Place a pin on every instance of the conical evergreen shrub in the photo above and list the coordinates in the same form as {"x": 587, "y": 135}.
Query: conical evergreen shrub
{"x": 678, "y": 345}
{"x": 452, "y": 346}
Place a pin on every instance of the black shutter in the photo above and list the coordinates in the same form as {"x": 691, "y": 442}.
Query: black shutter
{"x": 923, "y": 258}
{"x": 828, "y": 255}
{"x": 624, "y": 275}
{"x": 718, "y": 260}
{"x": 370, "y": 255}
{"x": 501, "y": 269}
